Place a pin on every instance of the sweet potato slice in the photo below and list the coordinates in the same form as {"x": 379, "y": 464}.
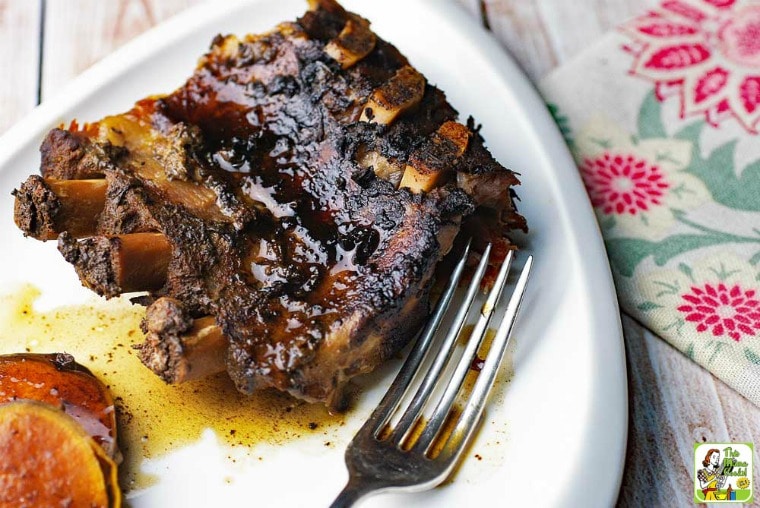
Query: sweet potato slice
{"x": 49, "y": 460}
{"x": 58, "y": 380}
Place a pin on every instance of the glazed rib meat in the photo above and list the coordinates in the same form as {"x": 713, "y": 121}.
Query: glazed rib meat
{"x": 285, "y": 209}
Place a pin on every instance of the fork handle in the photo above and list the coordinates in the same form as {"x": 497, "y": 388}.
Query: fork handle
{"x": 351, "y": 493}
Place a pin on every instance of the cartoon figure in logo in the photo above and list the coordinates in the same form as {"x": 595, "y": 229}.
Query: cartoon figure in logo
{"x": 709, "y": 479}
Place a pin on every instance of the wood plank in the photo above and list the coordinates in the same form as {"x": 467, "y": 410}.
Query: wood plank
{"x": 742, "y": 417}
{"x": 742, "y": 420}
{"x": 650, "y": 441}
{"x": 520, "y": 27}
{"x": 674, "y": 403}
{"x": 611, "y": 13}
{"x": 19, "y": 62}
{"x": 575, "y": 27}
{"x": 79, "y": 33}
{"x": 545, "y": 33}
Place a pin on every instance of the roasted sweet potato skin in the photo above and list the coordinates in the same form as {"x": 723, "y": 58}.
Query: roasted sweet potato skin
{"x": 57, "y": 434}
{"x": 56, "y": 379}
{"x": 49, "y": 460}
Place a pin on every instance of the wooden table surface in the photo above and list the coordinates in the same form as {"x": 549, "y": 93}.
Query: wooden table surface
{"x": 673, "y": 402}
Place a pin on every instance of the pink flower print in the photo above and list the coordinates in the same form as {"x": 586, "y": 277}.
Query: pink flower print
{"x": 706, "y": 52}
{"x": 724, "y": 311}
{"x": 623, "y": 183}
{"x": 739, "y": 38}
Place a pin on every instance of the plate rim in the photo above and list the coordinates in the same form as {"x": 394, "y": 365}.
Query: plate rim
{"x": 607, "y": 310}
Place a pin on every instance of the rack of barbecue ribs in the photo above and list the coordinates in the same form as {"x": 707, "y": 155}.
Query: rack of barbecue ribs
{"x": 284, "y": 209}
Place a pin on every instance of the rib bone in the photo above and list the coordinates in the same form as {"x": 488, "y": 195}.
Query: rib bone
{"x": 119, "y": 264}
{"x": 179, "y": 348}
{"x": 46, "y": 207}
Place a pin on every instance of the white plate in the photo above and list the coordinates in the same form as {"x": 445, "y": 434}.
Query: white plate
{"x": 561, "y": 426}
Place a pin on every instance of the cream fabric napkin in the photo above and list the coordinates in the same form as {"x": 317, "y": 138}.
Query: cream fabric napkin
{"x": 662, "y": 117}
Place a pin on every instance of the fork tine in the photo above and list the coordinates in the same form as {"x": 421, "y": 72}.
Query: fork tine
{"x": 474, "y": 409}
{"x": 396, "y": 391}
{"x": 377, "y": 465}
{"x": 427, "y": 386}
{"x": 436, "y": 421}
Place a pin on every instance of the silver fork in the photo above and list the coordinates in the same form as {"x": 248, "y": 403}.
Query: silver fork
{"x": 381, "y": 457}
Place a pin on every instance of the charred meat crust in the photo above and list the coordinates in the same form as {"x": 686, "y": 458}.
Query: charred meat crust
{"x": 94, "y": 262}
{"x": 315, "y": 265}
{"x": 178, "y": 347}
{"x": 36, "y": 208}
{"x": 67, "y": 155}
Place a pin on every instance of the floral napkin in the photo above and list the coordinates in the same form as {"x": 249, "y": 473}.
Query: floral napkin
{"x": 663, "y": 118}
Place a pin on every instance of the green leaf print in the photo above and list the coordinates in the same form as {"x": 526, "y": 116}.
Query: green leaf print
{"x": 723, "y": 274}
{"x": 675, "y": 245}
{"x": 647, "y": 306}
{"x": 626, "y": 253}
{"x": 686, "y": 270}
{"x": 718, "y": 347}
{"x": 650, "y": 119}
{"x": 563, "y": 122}
{"x": 718, "y": 173}
{"x": 749, "y": 184}
{"x": 677, "y": 325}
{"x": 752, "y": 356}
{"x": 716, "y": 170}
{"x": 691, "y": 132}
{"x": 607, "y": 223}
{"x": 667, "y": 288}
